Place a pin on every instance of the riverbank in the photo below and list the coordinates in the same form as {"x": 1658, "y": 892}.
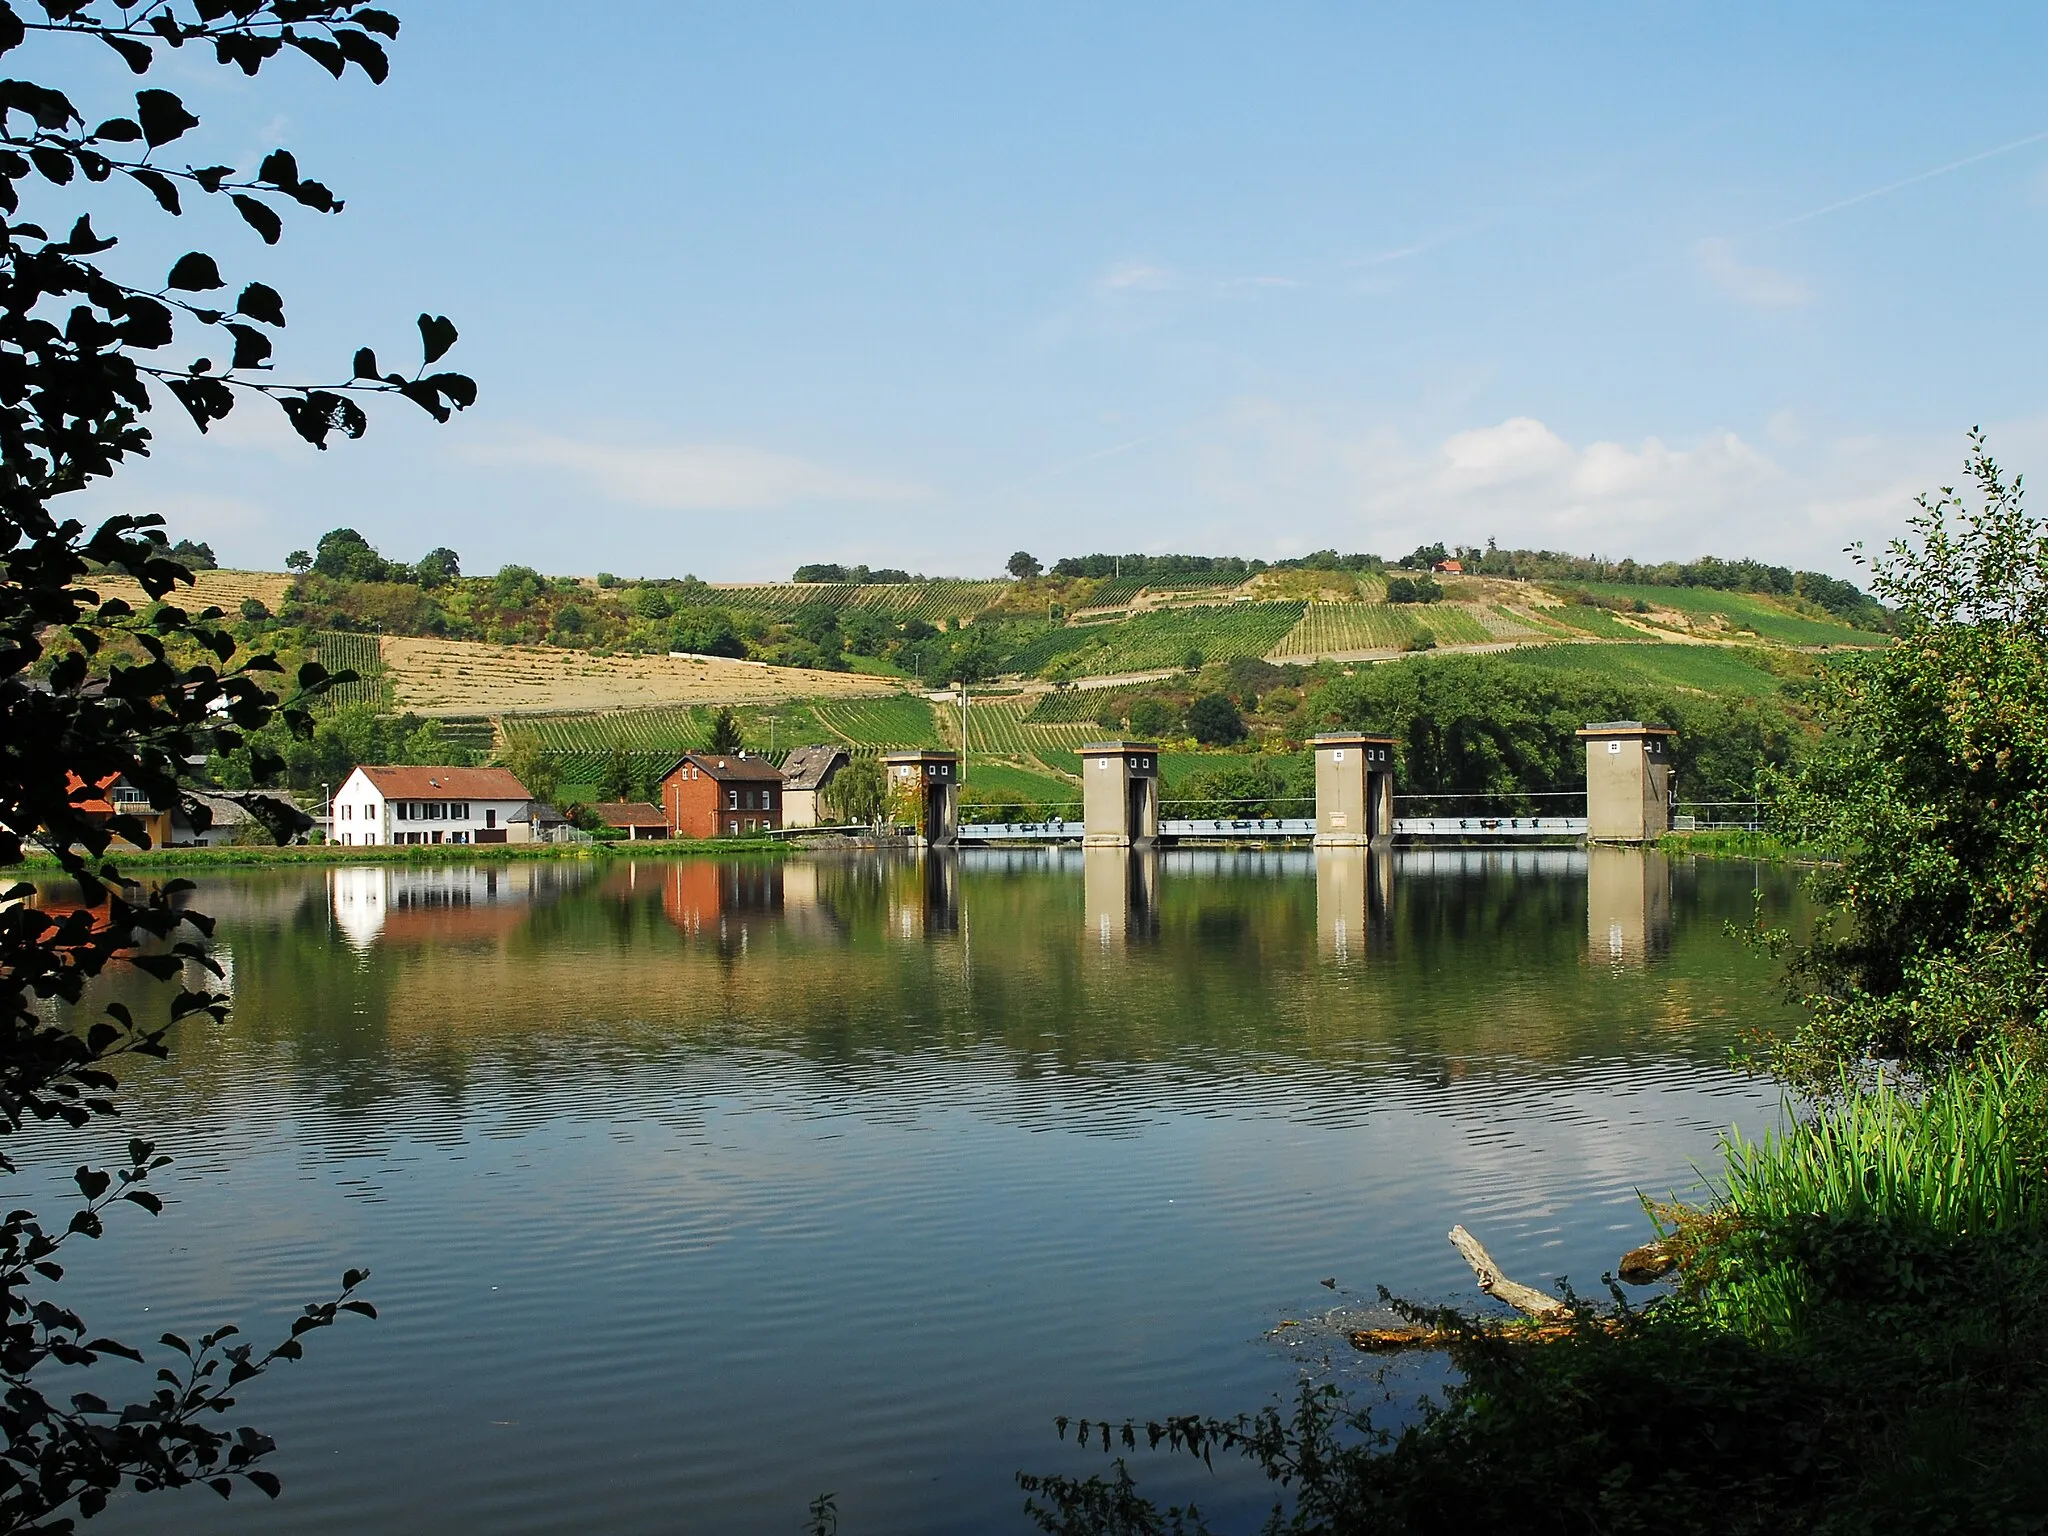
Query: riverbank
{"x": 1760, "y": 846}
{"x": 232, "y": 856}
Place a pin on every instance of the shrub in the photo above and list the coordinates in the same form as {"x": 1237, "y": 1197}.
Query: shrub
{"x": 1214, "y": 721}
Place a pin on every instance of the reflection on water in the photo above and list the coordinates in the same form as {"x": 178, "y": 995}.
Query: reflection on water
{"x": 694, "y": 1188}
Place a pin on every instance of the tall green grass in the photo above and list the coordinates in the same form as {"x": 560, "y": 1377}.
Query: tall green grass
{"x": 1960, "y": 1154}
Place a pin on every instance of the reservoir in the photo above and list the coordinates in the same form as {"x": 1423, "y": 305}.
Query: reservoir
{"x": 694, "y": 1189}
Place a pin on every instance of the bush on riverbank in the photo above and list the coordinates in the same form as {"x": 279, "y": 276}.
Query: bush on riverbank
{"x": 1854, "y": 1346}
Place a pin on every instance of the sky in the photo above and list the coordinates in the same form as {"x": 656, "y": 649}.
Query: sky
{"x": 746, "y": 287}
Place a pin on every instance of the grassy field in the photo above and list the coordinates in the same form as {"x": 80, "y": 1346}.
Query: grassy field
{"x": 1330, "y": 629}
{"x": 224, "y": 590}
{"x": 448, "y": 677}
{"x": 1011, "y": 781}
{"x": 1597, "y": 622}
{"x": 1708, "y": 668}
{"x": 1740, "y": 611}
{"x": 1148, "y": 641}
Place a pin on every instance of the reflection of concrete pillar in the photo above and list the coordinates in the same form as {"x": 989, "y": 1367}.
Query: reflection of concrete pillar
{"x": 934, "y": 778}
{"x": 1628, "y": 905}
{"x": 1628, "y": 781}
{"x": 1354, "y": 900}
{"x": 941, "y": 892}
{"x": 1120, "y": 895}
{"x": 1120, "y": 794}
{"x": 1354, "y": 789}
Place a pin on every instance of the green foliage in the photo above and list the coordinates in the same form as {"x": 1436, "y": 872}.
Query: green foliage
{"x": 1486, "y": 725}
{"x": 1152, "y": 640}
{"x": 1932, "y": 786}
{"x": 127, "y": 697}
{"x": 1153, "y": 719}
{"x": 1213, "y": 720}
{"x": 705, "y": 632}
{"x": 725, "y": 739}
{"x": 1023, "y": 565}
{"x": 1329, "y": 629}
{"x": 1758, "y": 615}
{"x": 1417, "y": 589}
{"x": 858, "y": 794}
{"x": 342, "y": 740}
{"x": 1242, "y": 787}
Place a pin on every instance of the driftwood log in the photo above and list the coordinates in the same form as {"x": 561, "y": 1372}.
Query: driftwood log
{"x": 1553, "y": 1315}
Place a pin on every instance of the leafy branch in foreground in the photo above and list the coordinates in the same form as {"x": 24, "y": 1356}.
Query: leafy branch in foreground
{"x": 95, "y": 695}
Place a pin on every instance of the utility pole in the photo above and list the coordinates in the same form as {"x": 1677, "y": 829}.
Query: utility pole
{"x": 963, "y": 731}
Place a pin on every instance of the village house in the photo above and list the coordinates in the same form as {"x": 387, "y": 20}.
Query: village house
{"x": 1449, "y": 568}
{"x": 635, "y": 818}
{"x": 114, "y": 796}
{"x": 382, "y": 806}
{"x": 806, "y": 774}
{"x": 707, "y": 795}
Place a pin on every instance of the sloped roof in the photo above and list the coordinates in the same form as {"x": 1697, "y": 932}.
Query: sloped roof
{"x": 736, "y": 769}
{"x": 810, "y": 767}
{"x": 429, "y": 783}
{"x": 629, "y": 813}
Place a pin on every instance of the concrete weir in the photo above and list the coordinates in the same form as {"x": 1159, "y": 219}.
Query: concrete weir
{"x": 1120, "y": 794}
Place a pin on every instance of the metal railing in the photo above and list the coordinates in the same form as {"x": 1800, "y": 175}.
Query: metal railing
{"x": 1722, "y": 816}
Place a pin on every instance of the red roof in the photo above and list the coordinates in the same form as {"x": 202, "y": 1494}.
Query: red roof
{"x": 629, "y": 813}
{"x": 430, "y": 783}
{"x": 736, "y": 769}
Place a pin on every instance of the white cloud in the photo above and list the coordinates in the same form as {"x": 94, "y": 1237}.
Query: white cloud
{"x": 1139, "y": 277}
{"x": 1734, "y": 278}
{"x": 1306, "y": 481}
{"x": 696, "y": 477}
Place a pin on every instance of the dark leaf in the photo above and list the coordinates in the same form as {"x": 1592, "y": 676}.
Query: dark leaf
{"x": 267, "y": 1481}
{"x": 252, "y": 350}
{"x": 322, "y": 52}
{"x": 260, "y": 217}
{"x": 161, "y": 187}
{"x": 163, "y": 117}
{"x": 365, "y": 52}
{"x": 195, "y": 272}
{"x": 366, "y": 363}
{"x": 54, "y": 164}
{"x": 383, "y": 23}
{"x": 437, "y": 335}
{"x": 138, "y": 55}
{"x": 259, "y": 301}
{"x": 118, "y": 130}
{"x": 280, "y": 170}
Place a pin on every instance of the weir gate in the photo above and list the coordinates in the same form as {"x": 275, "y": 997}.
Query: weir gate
{"x": 1628, "y": 799}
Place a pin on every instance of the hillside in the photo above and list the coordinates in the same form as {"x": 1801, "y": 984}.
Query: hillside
{"x": 582, "y": 670}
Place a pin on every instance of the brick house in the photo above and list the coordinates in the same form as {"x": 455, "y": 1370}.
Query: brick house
{"x": 706, "y": 795}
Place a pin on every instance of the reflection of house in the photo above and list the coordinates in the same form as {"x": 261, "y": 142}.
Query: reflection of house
{"x": 701, "y": 897}
{"x": 378, "y": 806}
{"x": 114, "y": 796}
{"x": 430, "y": 906}
{"x": 706, "y": 795}
{"x": 635, "y": 818}
{"x": 806, "y": 774}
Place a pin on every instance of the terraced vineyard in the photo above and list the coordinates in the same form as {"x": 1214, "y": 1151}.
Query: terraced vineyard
{"x": 1066, "y": 706}
{"x": 932, "y": 601}
{"x": 1004, "y": 728}
{"x": 642, "y": 730}
{"x": 902, "y": 721}
{"x": 359, "y": 654}
{"x": 1334, "y": 629}
{"x": 1150, "y": 641}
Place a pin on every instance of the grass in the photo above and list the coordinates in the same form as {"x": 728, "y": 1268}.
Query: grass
{"x": 1740, "y": 610}
{"x": 1597, "y": 622}
{"x": 1009, "y": 782}
{"x": 1708, "y": 668}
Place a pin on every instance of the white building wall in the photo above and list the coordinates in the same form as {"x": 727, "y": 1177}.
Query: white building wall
{"x": 363, "y": 818}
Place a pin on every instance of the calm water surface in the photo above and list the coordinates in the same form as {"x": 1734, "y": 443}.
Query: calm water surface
{"x": 694, "y": 1189}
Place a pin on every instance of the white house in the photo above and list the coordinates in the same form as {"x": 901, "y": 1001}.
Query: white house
{"x": 379, "y": 806}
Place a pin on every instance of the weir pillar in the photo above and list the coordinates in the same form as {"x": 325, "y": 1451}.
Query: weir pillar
{"x": 1120, "y": 794}
{"x": 930, "y": 782}
{"x": 1629, "y": 787}
{"x": 1354, "y": 789}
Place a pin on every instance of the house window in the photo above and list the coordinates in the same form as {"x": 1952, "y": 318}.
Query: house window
{"x": 491, "y": 817}
{"x": 732, "y": 801}
{"x": 733, "y": 827}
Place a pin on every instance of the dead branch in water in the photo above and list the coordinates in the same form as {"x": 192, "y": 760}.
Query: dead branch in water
{"x": 1552, "y": 1315}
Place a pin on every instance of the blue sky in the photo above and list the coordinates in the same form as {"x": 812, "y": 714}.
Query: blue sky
{"x": 750, "y": 286}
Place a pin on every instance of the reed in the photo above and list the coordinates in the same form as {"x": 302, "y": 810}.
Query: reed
{"x": 1961, "y": 1153}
